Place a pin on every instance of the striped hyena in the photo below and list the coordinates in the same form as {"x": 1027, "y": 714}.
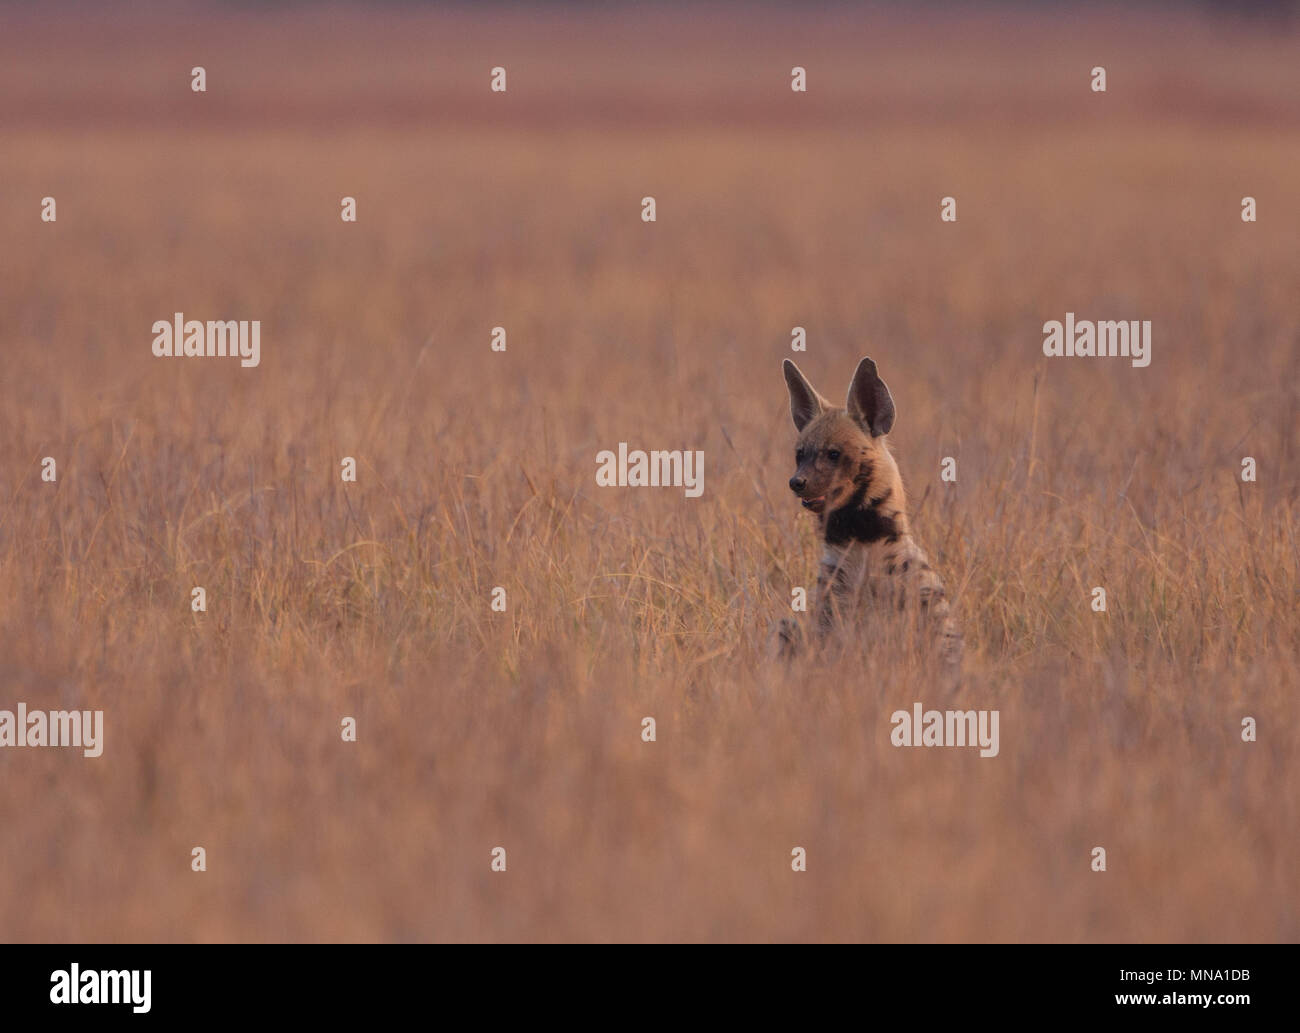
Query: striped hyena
{"x": 846, "y": 475}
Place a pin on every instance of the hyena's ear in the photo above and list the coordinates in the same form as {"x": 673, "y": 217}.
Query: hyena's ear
{"x": 805, "y": 403}
{"x": 870, "y": 402}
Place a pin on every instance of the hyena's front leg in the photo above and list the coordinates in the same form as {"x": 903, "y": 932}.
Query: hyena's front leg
{"x": 826, "y": 605}
{"x": 790, "y": 634}
{"x": 937, "y": 615}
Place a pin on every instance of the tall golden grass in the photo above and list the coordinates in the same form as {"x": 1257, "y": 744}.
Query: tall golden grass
{"x": 522, "y": 729}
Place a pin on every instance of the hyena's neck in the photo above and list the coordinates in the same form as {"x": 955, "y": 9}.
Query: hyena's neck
{"x": 867, "y": 520}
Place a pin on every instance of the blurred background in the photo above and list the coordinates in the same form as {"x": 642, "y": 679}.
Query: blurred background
{"x": 476, "y": 469}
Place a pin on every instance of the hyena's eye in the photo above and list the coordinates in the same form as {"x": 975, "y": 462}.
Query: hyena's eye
{"x": 833, "y": 455}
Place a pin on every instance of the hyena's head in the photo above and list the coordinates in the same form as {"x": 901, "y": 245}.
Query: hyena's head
{"x": 841, "y": 455}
